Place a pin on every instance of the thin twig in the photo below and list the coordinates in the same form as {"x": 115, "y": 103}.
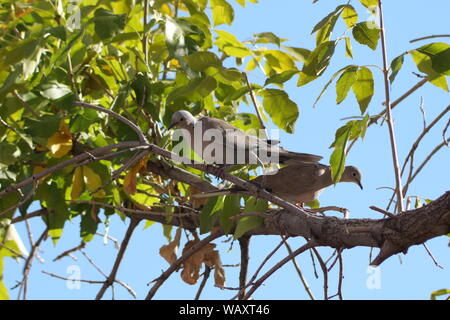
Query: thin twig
{"x": 432, "y": 257}
{"x": 130, "y": 124}
{"x": 68, "y": 252}
{"x": 28, "y": 264}
{"x": 324, "y": 272}
{"x": 386, "y": 213}
{"x": 300, "y": 273}
{"x": 252, "y": 96}
{"x": 283, "y": 240}
{"x": 203, "y": 283}
{"x": 67, "y": 163}
{"x": 112, "y": 276}
{"x": 430, "y": 37}
{"x": 174, "y": 266}
{"x": 244, "y": 243}
{"x": 127, "y": 210}
{"x": 389, "y": 120}
{"x": 276, "y": 267}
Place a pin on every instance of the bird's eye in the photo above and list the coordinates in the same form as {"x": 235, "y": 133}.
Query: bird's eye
{"x": 354, "y": 174}
{"x": 182, "y": 119}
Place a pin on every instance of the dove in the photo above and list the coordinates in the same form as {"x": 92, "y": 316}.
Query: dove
{"x": 297, "y": 183}
{"x": 219, "y": 142}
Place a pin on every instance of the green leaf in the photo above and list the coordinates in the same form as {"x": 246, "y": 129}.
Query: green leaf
{"x": 278, "y": 61}
{"x": 199, "y": 61}
{"x": 317, "y": 62}
{"x": 344, "y": 83}
{"x": 59, "y": 32}
{"x": 337, "y": 159}
{"x": 424, "y": 64}
{"x": 363, "y": 88}
{"x": 9, "y": 153}
{"x": 231, "y": 207}
{"x": 323, "y": 23}
{"x": 366, "y": 34}
{"x": 52, "y": 197}
{"x": 299, "y": 54}
{"x": 268, "y": 37}
{"x": 324, "y": 33}
{"x": 209, "y": 214}
{"x": 369, "y": 3}
{"x": 439, "y": 53}
{"x": 54, "y": 90}
{"x": 350, "y": 16}
{"x": 330, "y": 81}
{"x": 280, "y": 78}
{"x": 222, "y": 12}
{"x": 229, "y": 44}
{"x": 107, "y": 24}
{"x": 348, "y": 47}
{"x": 3, "y": 290}
{"x": 396, "y": 65}
{"x": 88, "y": 227}
{"x": 253, "y": 204}
{"x": 246, "y": 224}
{"x": 282, "y": 110}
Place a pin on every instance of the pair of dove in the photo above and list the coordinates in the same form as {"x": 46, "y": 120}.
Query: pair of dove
{"x": 301, "y": 181}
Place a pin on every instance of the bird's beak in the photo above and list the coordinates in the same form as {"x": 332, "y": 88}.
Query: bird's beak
{"x": 360, "y": 184}
{"x": 173, "y": 124}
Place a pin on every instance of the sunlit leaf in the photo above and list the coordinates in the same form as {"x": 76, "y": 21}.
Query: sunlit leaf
{"x": 363, "y": 88}
{"x": 222, "y": 12}
{"x": 366, "y": 34}
{"x": 344, "y": 83}
{"x": 282, "y": 110}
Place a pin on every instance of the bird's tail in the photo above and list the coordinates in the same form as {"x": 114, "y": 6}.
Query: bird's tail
{"x": 222, "y": 192}
{"x": 290, "y": 157}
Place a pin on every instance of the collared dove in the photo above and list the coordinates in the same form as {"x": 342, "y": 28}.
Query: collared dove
{"x": 298, "y": 183}
{"x": 219, "y": 142}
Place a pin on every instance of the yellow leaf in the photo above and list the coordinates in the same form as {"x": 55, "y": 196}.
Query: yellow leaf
{"x": 93, "y": 181}
{"x": 129, "y": 182}
{"x": 77, "y": 183}
{"x": 38, "y": 169}
{"x": 169, "y": 252}
{"x": 60, "y": 143}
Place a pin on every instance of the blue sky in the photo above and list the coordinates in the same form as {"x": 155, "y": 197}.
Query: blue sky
{"x": 411, "y": 276}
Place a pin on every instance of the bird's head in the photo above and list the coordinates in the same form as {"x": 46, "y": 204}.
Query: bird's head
{"x": 352, "y": 174}
{"x": 182, "y": 119}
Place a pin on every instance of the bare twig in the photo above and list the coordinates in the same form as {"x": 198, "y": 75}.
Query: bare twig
{"x": 323, "y": 266}
{"x": 28, "y": 264}
{"x": 386, "y": 213}
{"x": 255, "y": 104}
{"x": 300, "y": 273}
{"x": 445, "y": 131}
{"x": 244, "y": 243}
{"x": 203, "y": 283}
{"x": 260, "y": 281}
{"x": 112, "y": 276}
{"x": 126, "y": 210}
{"x": 432, "y": 257}
{"x": 68, "y": 252}
{"x": 283, "y": 240}
{"x": 390, "y": 122}
{"x": 130, "y": 124}
{"x": 431, "y": 37}
{"x": 64, "y": 164}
